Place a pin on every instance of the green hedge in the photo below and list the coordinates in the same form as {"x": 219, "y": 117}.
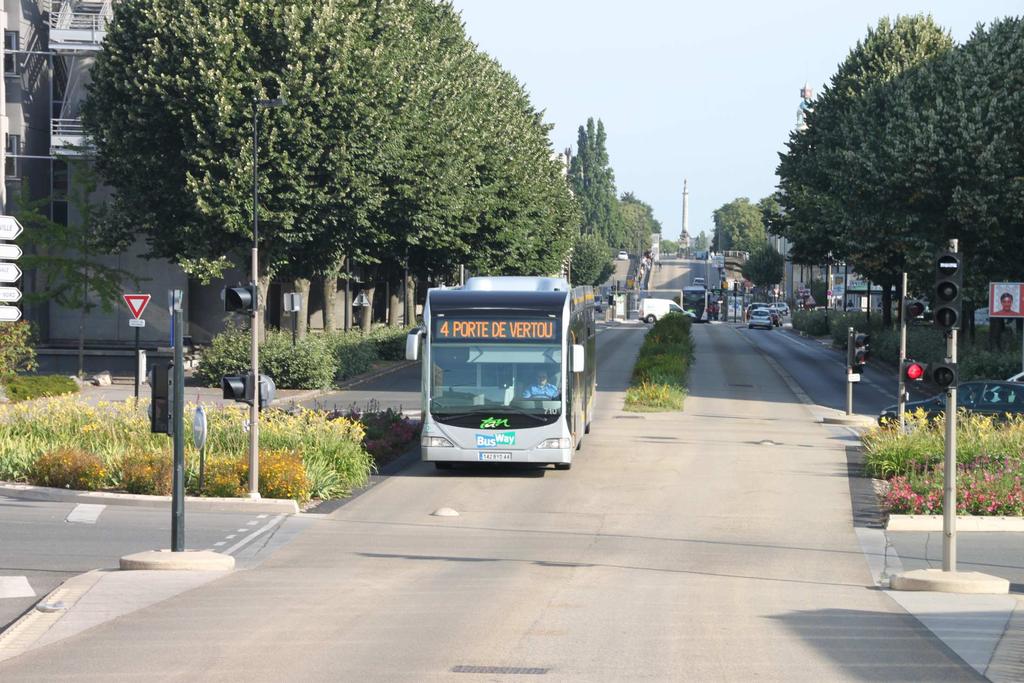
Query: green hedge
{"x": 813, "y": 323}
{"x": 28, "y": 387}
{"x": 316, "y": 362}
{"x": 659, "y": 374}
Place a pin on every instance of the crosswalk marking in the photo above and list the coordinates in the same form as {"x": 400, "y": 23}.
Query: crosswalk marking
{"x": 85, "y": 513}
{"x": 15, "y": 587}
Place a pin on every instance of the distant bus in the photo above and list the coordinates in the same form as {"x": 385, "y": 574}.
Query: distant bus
{"x": 509, "y": 371}
{"x": 695, "y": 299}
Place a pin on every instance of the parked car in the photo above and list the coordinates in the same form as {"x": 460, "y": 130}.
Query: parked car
{"x": 987, "y": 397}
{"x": 698, "y": 282}
{"x": 760, "y": 317}
{"x": 652, "y": 309}
{"x": 783, "y": 308}
{"x": 623, "y": 255}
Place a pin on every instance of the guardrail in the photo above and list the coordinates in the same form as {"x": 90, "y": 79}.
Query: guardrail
{"x": 65, "y": 16}
{"x": 66, "y": 127}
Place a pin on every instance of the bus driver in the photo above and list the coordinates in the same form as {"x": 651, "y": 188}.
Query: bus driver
{"x": 541, "y": 389}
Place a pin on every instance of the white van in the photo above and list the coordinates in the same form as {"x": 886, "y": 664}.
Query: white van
{"x": 652, "y": 309}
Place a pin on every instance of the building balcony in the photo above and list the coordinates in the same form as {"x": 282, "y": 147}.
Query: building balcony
{"x": 67, "y": 138}
{"x": 78, "y": 25}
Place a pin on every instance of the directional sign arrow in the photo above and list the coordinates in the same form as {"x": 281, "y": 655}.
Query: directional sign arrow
{"x": 9, "y": 272}
{"x": 10, "y": 314}
{"x": 10, "y": 295}
{"x": 10, "y": 252}
{"x": 10, "y": 228}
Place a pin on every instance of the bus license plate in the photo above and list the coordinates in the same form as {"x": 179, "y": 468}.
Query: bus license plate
{"x": 500, "y": 457}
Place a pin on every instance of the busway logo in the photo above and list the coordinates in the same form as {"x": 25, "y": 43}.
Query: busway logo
{"x": 495, "y": 439}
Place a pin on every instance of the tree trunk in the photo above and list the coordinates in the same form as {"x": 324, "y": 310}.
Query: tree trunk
{"x": 395, "y": 304}
{"x": 367, "y": 311}
{"x": 410, "y": 302}
{"x": 302, "y": 286}
{"x": 887, "y": 305}
{"x": 330, "y": 286}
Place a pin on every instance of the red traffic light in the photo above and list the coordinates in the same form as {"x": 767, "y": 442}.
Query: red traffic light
{"x": 914, "y": 371}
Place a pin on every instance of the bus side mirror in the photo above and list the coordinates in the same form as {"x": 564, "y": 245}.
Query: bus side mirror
{"x": 412, "y": 344}
{"x": 578, "y": 358}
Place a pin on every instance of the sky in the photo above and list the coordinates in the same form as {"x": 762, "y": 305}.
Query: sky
{"x": 703, "y": 91}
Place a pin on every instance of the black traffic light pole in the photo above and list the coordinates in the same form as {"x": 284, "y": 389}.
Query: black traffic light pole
{"x": 901, "y": 401}
{"x": 178, "y": 428}
{"x": 949, "y": 492}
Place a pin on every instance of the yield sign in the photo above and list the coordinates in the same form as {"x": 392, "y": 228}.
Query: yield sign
{"x": 136, "y": 303}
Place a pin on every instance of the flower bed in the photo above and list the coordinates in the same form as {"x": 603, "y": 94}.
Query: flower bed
{"x": 388, "y": 433}
{"x": 990, "y": 465}
{"x": 303, "y": 455}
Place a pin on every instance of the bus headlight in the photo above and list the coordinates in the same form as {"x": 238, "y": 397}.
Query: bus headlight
{"x": 564, "y": 442}
{"x": 435, "y": 442}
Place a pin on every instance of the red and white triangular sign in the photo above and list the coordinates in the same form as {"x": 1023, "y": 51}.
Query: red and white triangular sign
{"x": 137, "y": 303}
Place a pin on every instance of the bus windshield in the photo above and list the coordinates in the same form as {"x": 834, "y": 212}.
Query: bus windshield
{"x": 499, "y": 379}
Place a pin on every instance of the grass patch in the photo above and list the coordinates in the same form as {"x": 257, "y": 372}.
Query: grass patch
{"x": 990, "y": 464}
{"x": 27, "y": 387}
{"x": 659, "y": 375}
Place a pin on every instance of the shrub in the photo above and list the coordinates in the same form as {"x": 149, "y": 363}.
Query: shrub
{"x": 282, "y": 475}
{"x": 146, "y": 473}
{"x": 226, "y": 477}
{"x": 650, "y": 397}
{"x": 389, "y": 342}
{"x": 16, "y": 352}
{"x": 28, "y": 387}
{"x": 659, "y": 374}
{"x": 307, "y": 365}
{"x": 353, "y": 353}
{"x": 389, "y": 433}
{"x": 69, "y": 468}
{"x": 813, "y": 322}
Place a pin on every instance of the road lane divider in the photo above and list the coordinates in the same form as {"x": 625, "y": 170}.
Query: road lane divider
{"x": 85, "y": 513}
{"x": 248, "y": 539}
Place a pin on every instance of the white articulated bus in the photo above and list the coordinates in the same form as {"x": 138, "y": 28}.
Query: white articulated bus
{"x": 509, "y": 371}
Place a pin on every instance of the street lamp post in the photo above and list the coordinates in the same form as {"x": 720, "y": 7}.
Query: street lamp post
{"x": 254, "y": 379}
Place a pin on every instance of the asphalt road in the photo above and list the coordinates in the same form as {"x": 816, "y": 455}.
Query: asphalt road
{"x": 43, "y": 543}
{"x": 715, "y": 544}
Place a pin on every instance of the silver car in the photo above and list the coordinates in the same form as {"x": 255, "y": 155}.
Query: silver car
{"x": 760, "y": 317}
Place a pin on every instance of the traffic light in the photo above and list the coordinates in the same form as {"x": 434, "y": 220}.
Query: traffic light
{"x": 944, "y": 375}
{"x": 160, "y": 398}
{"x": 239, "y": 388}
{"x": 949, "y": 280}
{"x": 913, "y": 371}
{"x": 912, "y": 309}
{"x": 861, "y": 351}
{"x": 240, "y": 299}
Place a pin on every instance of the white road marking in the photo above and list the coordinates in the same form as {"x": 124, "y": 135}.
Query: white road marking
{"x": 229, "y": 537}
{"x": 252, "y": 522}
{"x": 263, "y": 516}
{"x": 85, "y": 513}
{"x": 15, "y": 587}
{"x": 266, "y": 527}
{"x": 242, "y": 530}
{"x": 219, "y": 543}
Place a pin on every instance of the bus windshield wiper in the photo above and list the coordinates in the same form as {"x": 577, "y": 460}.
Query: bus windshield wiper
{"x": 520, "y": 411}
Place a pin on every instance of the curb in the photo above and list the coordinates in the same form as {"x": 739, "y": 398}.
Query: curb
{"x": 940, "y": 581}
{"x": 963, "y": 523}
{"x": 189, "y": 560}
{"x": 194, "y": 503}
{"x": 33, "y": 625}
{"x": 849, "y": 421}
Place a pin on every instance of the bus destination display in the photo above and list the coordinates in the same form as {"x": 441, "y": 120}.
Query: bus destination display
{"x": 497, "y": 329}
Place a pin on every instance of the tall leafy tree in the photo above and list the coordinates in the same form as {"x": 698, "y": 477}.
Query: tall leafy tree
{"x": 764, "y": 267}
{"x": 593, "y": 181}
{"x": 738, "y": 226}
{"x": 638, "y": 221}
{"x": 591, "y": 261}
